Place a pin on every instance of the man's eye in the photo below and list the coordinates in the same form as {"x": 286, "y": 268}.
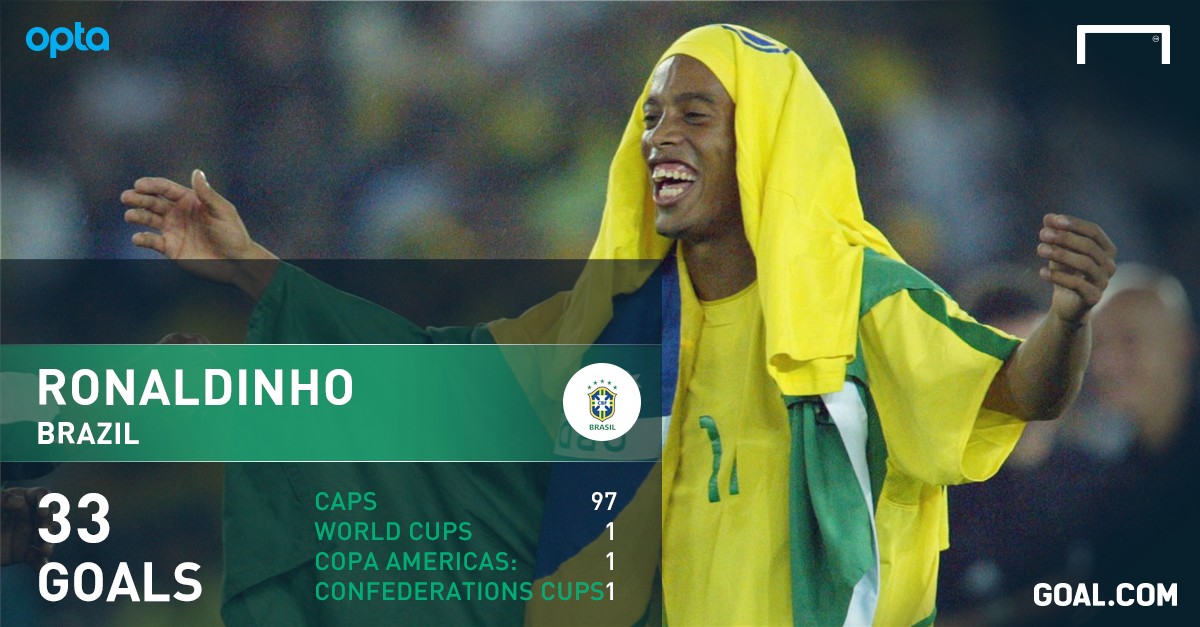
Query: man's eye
{"x": 650, "y": 119}
{"x": 695, "y": 116}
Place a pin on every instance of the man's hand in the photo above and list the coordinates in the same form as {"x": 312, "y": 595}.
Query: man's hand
{"x": 1041, "y": 378}
{"x": 19, "y": 538}
{"x": 1082, "y": 260}
{"x": 199, "y": 229}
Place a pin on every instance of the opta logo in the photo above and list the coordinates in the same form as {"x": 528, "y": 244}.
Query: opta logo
{"x": 58, "y": 44}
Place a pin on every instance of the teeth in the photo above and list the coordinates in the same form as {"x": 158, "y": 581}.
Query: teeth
{"x": 670, "y": 192}
{"x": 661, "y": 174}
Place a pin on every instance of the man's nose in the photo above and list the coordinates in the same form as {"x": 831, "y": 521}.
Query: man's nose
{"x": 666, "y": 132}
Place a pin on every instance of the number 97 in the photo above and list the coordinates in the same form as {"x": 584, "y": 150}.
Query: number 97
{"x": 598, "y": 499}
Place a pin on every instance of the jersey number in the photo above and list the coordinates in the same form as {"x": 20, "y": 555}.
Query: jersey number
{"x": 714, "y": 494}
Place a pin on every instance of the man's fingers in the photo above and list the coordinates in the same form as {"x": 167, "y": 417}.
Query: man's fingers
{"x": 1079, "y": 244}
{"x": 207, "y": 194}
{"x": 1062, "y": 259}
{"x": 156, "y": 186}
{"x": 157, "y": 204}
{"x": 38, "y": 553}
{"x": 144, "y": 218}
{"x": 1089, "y": 292}
{"x": 34, "y": 497}
{"x": 153, "y": 241}
{"x": 1087, "y": 229}
{"x": 14, "y": 499}
{"x": 43, "y": 554}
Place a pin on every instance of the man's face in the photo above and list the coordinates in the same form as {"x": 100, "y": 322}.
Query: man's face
{"x": 1141, "y": 352}
{"x": 689, "y": 146}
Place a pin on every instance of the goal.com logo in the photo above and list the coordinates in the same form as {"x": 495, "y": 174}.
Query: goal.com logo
{"x": 1082, "y": 31}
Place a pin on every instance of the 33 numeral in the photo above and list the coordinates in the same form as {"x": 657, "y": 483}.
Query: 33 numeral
{"x": 64, "y": 525}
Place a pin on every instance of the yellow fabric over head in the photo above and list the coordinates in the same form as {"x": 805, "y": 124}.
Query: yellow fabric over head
{"x": 799, "y": 201}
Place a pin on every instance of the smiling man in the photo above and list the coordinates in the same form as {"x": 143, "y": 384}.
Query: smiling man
{"x": 825, "y": 392}
{"x": 689, "y": 144}
{"x": 818, "y": 392}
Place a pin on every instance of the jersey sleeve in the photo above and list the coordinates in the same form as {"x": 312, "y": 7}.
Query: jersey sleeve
{"x": 930, "y": 365}
{"x": 297, "y": 308}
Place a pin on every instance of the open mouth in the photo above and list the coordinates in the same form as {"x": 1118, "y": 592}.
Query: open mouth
{"x": 672, "y": 181}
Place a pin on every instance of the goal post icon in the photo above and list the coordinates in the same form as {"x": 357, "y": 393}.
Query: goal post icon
{"x": 1082, "y": 31}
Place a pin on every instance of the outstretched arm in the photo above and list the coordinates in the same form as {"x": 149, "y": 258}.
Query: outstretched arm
{"x": 1042, "y": 377}
{"x": 200, "y": 230}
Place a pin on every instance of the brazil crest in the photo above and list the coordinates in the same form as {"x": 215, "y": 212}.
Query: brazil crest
{"x": 602, "y": 401}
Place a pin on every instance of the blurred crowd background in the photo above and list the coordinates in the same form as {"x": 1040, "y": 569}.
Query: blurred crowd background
{"x": 485, "y": 130}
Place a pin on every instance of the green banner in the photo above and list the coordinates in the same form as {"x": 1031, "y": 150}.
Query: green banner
{"x": 369, "y": 402}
